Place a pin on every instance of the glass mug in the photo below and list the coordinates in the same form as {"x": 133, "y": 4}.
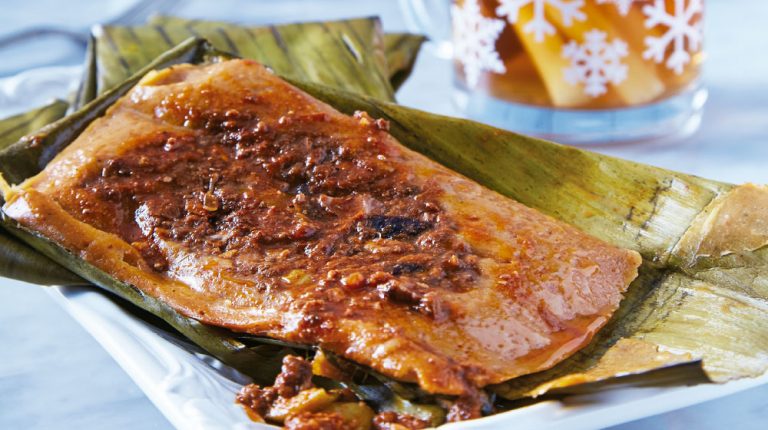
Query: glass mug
{"x": 575, "y": 71}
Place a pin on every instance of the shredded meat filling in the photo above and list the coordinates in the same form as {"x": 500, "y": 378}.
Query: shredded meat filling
{"x": 295, "y": 375}
{"x": 257, "y": 399}
{"x": 296, "y": 403}
{"x": 389, "y": 420}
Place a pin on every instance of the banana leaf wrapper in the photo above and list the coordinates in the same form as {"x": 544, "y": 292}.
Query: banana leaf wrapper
{"x": 17, "y": 259}
{"x": 701, "y": 297}
{"x": 400, "y": 49}
{"x": 353, "y": 54}
{"x": 15, "y": 127}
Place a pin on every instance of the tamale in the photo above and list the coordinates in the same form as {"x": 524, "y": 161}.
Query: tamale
{"x": 245, "y": 203}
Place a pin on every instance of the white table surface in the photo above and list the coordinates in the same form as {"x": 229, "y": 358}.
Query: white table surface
{"x": 53, "y": 375}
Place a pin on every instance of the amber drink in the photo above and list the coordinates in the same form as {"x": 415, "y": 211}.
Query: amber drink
{"x": 581, "y": 70}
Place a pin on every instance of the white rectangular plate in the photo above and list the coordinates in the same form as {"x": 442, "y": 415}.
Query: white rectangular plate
{"x": 196, "y": 392}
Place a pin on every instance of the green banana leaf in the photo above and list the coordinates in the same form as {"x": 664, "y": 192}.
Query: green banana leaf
{"x": 365, "y": 56}
{"x": 701, "y": 296}
{"x": 86, "y": 90}
{"x": 344, "y": 54}
{"x": 400, "y": 49}
{"x": 17, "y": 126}
{"x": 17, "y": 259}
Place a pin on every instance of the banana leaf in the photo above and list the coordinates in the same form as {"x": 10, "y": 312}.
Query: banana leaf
{"x": 400, "y": 49}
{"x": 344, "y": 54}
{"x": 114, "y": 53}
{"x": 17, "y": 126}
{"x": 86, "y": 90}
{"x": 701, "y": 297}
{"x": 17, "y": 259}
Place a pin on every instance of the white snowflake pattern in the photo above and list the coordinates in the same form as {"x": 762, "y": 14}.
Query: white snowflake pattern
{"x": 475, "y": 41}
{"x": 680, "y": 30}
{"x": 622, "y": 5}
{"x": 570, "y": 10}
{"x": 596, "y": 62}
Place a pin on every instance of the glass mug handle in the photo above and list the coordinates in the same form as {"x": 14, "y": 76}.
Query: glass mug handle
{"x": 433, "y": 19}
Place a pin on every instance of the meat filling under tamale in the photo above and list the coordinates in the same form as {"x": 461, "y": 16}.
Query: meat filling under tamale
{"x": 245, "y": 203}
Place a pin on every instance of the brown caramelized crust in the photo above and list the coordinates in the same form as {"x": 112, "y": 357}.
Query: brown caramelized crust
{"x": 245, "y": 203}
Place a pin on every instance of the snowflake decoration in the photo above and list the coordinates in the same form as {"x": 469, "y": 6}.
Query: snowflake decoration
{"x": 679, "y": 31}
{"x": 475, "y": 41}
{"x": 595, "y": 63}
{"x": 570, "y": 10}
{"x": 622, "y": 5}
